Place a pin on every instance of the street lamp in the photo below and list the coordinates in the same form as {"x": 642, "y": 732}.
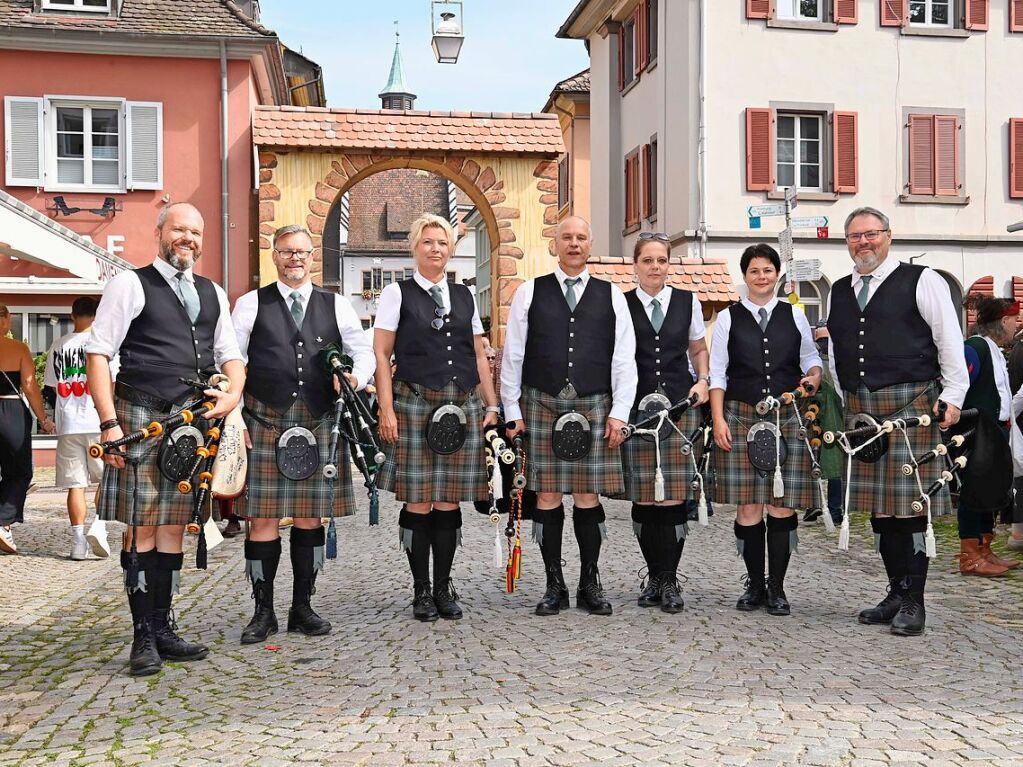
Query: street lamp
{"x": 447, "y": 35}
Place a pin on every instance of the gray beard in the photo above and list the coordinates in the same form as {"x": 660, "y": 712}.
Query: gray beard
{"x": 178, "y": 262}
{"x": 867, "y": 263}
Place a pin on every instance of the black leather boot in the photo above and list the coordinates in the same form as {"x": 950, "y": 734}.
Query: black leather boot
{"x": 779, "y": 550}
{"x": 911, "y": 618}
{"x": 144, "y": 659}
{"x": 261, "y": 561}
{"x": 423, "y": 606}
{"x": 445, "y": 531}
{"x": 548, "y": 526}
{"x": 301, "y": 616}
{"x": 644, "y": 524}
{"x": 752, "y": 546}
{"x": 892, "y": 547}
{"x": 672, "y": 533}
{"x": 446, "y": 600}
{"x": 671, "y": 594}
{"x": 650, "y": 593}
{"x": 886, "y": 609}
{"x": 590, "y": 594}
{"x": 168, "y": 643}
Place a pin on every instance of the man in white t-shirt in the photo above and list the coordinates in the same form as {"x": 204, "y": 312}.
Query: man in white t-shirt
{"x": 77, "y": 426}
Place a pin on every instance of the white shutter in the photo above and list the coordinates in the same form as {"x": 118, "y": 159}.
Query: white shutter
{"x": 144, "y": 128}
{"x": 23, "y": 140}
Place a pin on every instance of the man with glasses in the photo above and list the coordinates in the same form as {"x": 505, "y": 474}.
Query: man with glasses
{"x": 896, "y": 351}
{"x": 570, "y": 350}
{"x": 282, "y": 329}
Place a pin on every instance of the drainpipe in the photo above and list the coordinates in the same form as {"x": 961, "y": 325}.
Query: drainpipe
{"x": 701, "y": 150}
{"x": 224, "y": 183}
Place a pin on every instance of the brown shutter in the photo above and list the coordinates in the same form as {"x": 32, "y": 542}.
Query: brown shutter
{"x": 759, "y": 150}
{"x": 921, "y": 154}
{"x": 647, "y": 207}
{"x": 1016, "y": 15}
{"x": 977, "y": 14}
{"x": 894, "y": 13}
{"x": 621, "y": 57}
{"x": 946, "y": 155}
{"x": 844, "y": 11}
{"x": 1016, "y": 157}
{"x": 1017, "y": 289}
{"x": 758, "y": 9}
{"x": 985, "y": 286}
{"x": 641, "y": 47}
{"x": 846, "y": 170}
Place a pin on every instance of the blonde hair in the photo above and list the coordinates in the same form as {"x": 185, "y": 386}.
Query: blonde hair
{"x": 427, "y": 221}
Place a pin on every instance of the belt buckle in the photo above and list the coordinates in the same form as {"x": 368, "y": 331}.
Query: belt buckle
{"x": 568, "y": 392}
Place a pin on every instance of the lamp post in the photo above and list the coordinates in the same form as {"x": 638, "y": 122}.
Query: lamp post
{"x": 447, "y": 30}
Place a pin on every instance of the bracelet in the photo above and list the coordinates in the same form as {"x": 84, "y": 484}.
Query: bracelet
{"x": 493, "y": 408}
{"x": 108, "y": 424}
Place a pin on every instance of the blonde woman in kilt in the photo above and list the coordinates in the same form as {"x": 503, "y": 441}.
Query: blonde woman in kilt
{"x": 433, "y": 329}
{"x": 896, "y": 349}
{"x": 166, "y": 323}
{"x": 282, "y": 330}
{"x": 669, "y": 333}
{"x": 761, "y": 347}
{"x": 570, "y": 347}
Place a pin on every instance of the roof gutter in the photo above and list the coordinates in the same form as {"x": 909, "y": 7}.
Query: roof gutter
{"x": 225, "y": 183}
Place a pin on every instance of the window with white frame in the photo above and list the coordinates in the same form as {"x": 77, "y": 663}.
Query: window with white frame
{"x": 804, "y": 10}
{"x": 812, "y": 297}
{"x": 102, "y": 6}
{"x": 86, "y": 145}
{"x": 799, "y": 151}
{"x": 931, "y": 13}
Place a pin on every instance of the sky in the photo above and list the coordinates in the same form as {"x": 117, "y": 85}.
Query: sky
{"x": 510, "y": 60}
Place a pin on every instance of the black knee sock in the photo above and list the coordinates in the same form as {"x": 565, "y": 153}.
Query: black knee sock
{"x": 261, "y": 561}
{"x": 671, "y": 531}
{"x": 779, "y": 546}
{"x": 752, "y": 546}
{"x": 163, "y": 577}
{"x": 445, "y": 530}
{"x": 304, "y": 544}
{"x": 910, "y": 532}
{"x": 645, "y": 525}
{"x": 141, "y": 602}
{"x": 415, "y": 537}
{"x": 892, "y": 548}
{"x": 586, "y": 522}
{"x": 548, "y": 527}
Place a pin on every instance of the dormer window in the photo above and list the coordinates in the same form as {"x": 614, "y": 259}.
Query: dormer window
{"x": 88, "y": 6}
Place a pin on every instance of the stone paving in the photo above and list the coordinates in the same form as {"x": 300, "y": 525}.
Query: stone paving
{"x": 503, "y": 687}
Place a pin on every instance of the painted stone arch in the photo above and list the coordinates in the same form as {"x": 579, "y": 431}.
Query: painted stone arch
{"x": 516, "y": 196}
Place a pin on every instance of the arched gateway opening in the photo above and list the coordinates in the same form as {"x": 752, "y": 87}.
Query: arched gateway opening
{"x": 505, "y": 163}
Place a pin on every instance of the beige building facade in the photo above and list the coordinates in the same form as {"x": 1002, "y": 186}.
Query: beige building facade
{"x": 703, "y": 109}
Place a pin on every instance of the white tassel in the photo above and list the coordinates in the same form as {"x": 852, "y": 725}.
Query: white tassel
{"x": 498, "y": 551}
{"x": 779, "y": 483}
{"x": 659, "y": 485}
{"x": 843, "y": 534}
{"x": 701, "y": 509}
{"x": 829, "y": 523}
{"x": 930, "y": 546}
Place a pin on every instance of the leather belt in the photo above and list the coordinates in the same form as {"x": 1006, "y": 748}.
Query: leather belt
{"x": 138, "y": 397}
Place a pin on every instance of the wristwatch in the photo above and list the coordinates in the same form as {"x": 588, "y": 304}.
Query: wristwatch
{"x": 493, "y": 409}
{"x": 703, "y": 378}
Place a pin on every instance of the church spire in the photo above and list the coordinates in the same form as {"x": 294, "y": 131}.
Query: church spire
{"x": 396, "y": 94}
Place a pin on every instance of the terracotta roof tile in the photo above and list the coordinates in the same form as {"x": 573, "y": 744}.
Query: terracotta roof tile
{"x": 535, "y": 133}
{"x": 710, "y": 279}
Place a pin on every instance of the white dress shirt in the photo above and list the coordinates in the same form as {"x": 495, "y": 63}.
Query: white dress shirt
{"x": 808, "y": 355}
{"x": 123, "y": 301}
{"x": 624, "y": 377}
{"x": 697, "y": 329}
{"x": 353, "y": 339}
{"x": 934, "y": 302}
{"x": 389, "y": 308}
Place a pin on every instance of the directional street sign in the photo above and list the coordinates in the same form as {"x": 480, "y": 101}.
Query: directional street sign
{"x": 754, "y": 222}
{"x": 790, "y": 197}
{"x": 785, "y": 244}
{"x": 773, "y": 209}
{"x": 804, "y": 270}
{"x": 809, "y": 222}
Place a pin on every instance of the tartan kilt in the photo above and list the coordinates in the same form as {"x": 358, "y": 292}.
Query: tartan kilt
{"x": 416, "y": 474}
{"x": 881, "y": 488}
{"x": 268, "y": 493}
{"x": 599, "y": 472}
{"x": 737, "y": 482}
{"x": 639, "y": 463}
{"x": 155, "y": 499}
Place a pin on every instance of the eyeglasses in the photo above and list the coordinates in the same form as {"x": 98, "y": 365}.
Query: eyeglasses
{"x": 301, "y": 255}
{"x": 442, "y": 315}
{"x": 870, "y": 236}
{"x": 659, "y": 236}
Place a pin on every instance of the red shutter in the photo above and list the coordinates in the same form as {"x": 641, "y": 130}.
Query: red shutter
{"x": 758, "y": 9}
{"x": 846, "y": 170}
{"x": 1016, "y": 157}
{"x": 628, "y": 191}
{"x": 921, "y": 154}
{"x": 647, "y": 207}
{"x": 894, "y": 13}
{"x": 632, "y": 199}
{"x": 977, "y": 14}
{"x": 844, "y": 11}
{"x": 946, "y": 155}
{"x": 621, "y": 57}
{"x": 1016, "y": 15}
{"x": 1017, "y": 289}
{"x": 759, "y": 150}
{"x": 641, "y": 45}
{"x": 985, "y": 286}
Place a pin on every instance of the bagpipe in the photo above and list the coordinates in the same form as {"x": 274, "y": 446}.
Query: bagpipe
{"x": 506, "y": 494}
{"x": 354, "y": 423}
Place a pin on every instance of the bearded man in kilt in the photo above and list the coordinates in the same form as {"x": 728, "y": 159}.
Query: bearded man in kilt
{"x": 896, "y": 349}
{"x": 282, "y": 330}
{"x": 762, "y": 347}
{"x": 668, "y": 324}
{"x": 440, "y": 387}
{"x": 570, "y": 351}
{"x": 167, "y": 324}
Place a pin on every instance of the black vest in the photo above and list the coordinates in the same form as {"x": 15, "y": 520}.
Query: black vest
{"x": 433, "y": 358}
{"x": 888, "y": 342}
{"x": 662, "y": 358}
{"x": 563, "y": 346}
{"x": 284, "y": 363}
{"x": 762, "y": 362}
{"x": 162, "y": 345}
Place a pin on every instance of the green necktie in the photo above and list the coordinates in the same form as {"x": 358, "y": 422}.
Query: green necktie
{"x": 764, "y": 319}
{"x": 297, "y": 313}
{"x": 570, "y": 283}
{"x": 188, "y": 295}
{"x": 438, "y": 296}
{"x": 657, "y": 315}
{"x": 861, "y": 297}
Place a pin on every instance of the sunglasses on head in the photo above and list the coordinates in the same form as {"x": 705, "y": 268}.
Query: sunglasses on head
{"x": 438, "y": 323}
{"x": 659, "y": 236}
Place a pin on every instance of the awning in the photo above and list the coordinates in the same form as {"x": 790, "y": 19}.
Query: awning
{"x": 27, "y": 234}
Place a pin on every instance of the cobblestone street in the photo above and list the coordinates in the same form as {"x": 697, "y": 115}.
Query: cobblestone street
{"x": 711, "y": 686}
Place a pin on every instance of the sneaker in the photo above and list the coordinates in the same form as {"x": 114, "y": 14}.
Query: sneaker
{"x": 1015, "y": 541}
{"x": 96, "y": 537}
{"x": 7, "y": 545}
{"x": 79, "y": 549}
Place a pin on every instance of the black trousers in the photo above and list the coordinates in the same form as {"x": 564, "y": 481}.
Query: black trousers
{"x": 15, "y": 459}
